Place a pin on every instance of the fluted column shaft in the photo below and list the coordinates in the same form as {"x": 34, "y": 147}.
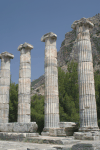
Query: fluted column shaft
{"x": 51, "y": 82}
{"x": 87, "y": 101}
{"x": 24, "y": 83}
{"x": 4, "y": 86}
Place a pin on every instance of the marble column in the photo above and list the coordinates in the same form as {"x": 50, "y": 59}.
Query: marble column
{"x": 24, "y": 86}
{"x": 87, "y": 101}
{"x": 51, "y": 107}
{"x": 5, "y": 86}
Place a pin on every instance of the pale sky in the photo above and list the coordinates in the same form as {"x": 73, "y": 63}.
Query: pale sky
{"x": 28, "y": 20}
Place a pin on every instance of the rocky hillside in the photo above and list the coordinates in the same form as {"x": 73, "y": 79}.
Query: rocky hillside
{"x": 68, "y": 52}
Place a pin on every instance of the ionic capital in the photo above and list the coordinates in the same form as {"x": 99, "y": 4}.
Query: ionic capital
{"x": 25, "y": 46}
{"x": 48, "y": 35}
{"x": 6, "y": 54}
{"x": 82, "y": 22}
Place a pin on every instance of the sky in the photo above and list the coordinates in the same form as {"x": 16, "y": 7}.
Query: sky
{"x": 28, "y": 20}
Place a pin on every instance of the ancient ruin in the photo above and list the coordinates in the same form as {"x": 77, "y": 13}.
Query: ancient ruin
{"x": 4, "y": 86}
{"x": 24, "y": 129}
{"x": 24, "y": 83}
{"x": 51, "y": 82}
{"x": 52, "y": 124}
{"x": 87, "y": 102}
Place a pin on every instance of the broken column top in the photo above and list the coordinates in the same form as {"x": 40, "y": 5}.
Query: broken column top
{"x": 81, "y": 22}
{"x": 6, "y": 54}
{"x": 50, "y": 34}
{"x": 25, "y": 45}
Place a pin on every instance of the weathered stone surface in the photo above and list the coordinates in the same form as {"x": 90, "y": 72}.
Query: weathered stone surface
{"x": 24, "y": 98}
{"x": 4, "y": 86}
{"x": 24, "y": 118}
{"x": 57, "y": 132}
{"x": 87, "y": 102}
{"x": 69, "y": 127}
{"x": 45, "y": 133}
{"x": 86, "y": 146}
{"x": 24, "y": 86}
{"x": 51, "y": 82}
{"x": 67, "y": 124}
{"x": 56, "y": 142}
{"x": 42, "y": 149}
{"x": 25, "y": 108}
{"x": 87, "y": 135}
{"x": 12, "y": 145}
{"x": 19, "y": 127}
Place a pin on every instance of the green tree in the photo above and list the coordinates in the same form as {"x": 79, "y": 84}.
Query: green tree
{"x": 97, "y": 93}
{"x": 71, "y": 83}
{"x": 69, "y": 93}
{"x": 61, "y": 87}
{"x": 37, "y": 111}
{"x": 13, "y": 102}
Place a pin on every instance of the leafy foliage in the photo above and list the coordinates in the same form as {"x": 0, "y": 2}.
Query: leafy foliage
{"x": 68, "y": 98}
{"x": 13, "y": 102}
{"x": 97, "y": 93}
{"x": 68, "y": 93}
{"x": 37, "y": 111}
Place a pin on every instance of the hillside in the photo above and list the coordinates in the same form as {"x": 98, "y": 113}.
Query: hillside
{"x": 68, "y": 52}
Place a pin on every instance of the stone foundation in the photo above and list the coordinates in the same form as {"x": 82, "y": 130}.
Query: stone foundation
{"x": 19, "y": 127}
{"x": 17, "y": 136}
{"x": 65, "y": 129}
{"x": 68, "y": 127}
{"x": 57, "y": 132}
{"x": 86, "y": 146}
{"x": 45, "y": 133}
{"x": 87, "y": 135}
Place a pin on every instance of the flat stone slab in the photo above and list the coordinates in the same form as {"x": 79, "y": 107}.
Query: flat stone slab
{"x": 87, "y": 135}
{"x": 83, "y": 145}
{"x": 19, "y": 127}
{"x": 86, "y": 146}
{"x": 45, "y": 133}
{"x": 17, "y": 136}
{"x": 36, "y": 138}
{"x": 12, "y": 145}
{"x": 41, "y": 149}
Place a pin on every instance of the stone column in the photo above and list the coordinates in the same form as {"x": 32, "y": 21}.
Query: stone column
{"x": 4, "y": 86}
{"x": 87, "y": 101}
{"x": 51, "y": 82}
{"x": 24, "y": 83}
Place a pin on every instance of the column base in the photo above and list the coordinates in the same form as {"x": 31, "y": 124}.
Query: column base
{"x": 63, "y": 129}
{"x": 87, "y": 129}
{"x": 45, "y": 132}
{"x": 93, "y": 135}
{"x": 54, "y": 132}
{"x": 57, "y": 132}
{"x": 69, "y": 127}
